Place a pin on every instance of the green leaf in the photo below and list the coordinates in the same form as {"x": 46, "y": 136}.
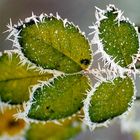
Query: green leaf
{"x": 51, "y": 131}
{"x": 110, "y": 99}
{"x": 53, "y": 44}
{"x": 62, "y": 99}
{"x": 16, "y": 79}
{"x": 119, "y": 38}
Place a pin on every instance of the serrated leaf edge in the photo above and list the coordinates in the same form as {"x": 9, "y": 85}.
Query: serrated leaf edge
{"x": 14, "y": 36}
{"x": 30, "y": 65}
{"x": 87, "y": 119}
{"x": 104, "y": 74}
{"x": 4, "y": 105}
{"x": 107, "y": 59}
{"x": 24, "y": 115}
{"x": 20, "y": 135}
{"x": 128, "y": 122}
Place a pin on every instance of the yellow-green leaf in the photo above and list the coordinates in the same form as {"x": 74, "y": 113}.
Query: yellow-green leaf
{"x": 50, "y": 131}
{"x": 53, "y": 44}
{"x": 15, "y": 79}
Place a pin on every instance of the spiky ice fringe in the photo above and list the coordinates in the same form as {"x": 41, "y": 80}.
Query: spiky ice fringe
{"x": 103, "y": 74}
{"x": 107, "y": 59}
{"x": 24, "y": 115}
{"x": 87, "y": 120}
{"x": 30, "y": 65}
{"x": 10, "y": 53}
{"x": 21, "y": 134}
{"x": 128, "y": 122}
{"x": 135, "y": 58}
{"x": 5, "y": 105}
{"x": 138, "y": 58}
{"x": 14, "y": 36}
{"x": 131, "y": 104}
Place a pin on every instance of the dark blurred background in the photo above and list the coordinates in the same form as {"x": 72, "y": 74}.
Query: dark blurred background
{"x": 81, "y": 12}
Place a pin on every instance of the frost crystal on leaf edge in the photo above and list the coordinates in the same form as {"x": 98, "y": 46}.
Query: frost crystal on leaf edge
{"x": 107, "y": 59}
{"x": 93, "y": 125}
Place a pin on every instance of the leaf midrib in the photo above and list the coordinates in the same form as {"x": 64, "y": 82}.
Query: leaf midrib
{"x": 50, "y": 38}
{"x": 27, "y": 77}
{"x": 61, "y": 51}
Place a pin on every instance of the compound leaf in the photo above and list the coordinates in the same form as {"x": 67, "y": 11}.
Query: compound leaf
{"x": 53, "y": 44}
{"x": 16, "y": 79}
{"x": 62, "y": 99}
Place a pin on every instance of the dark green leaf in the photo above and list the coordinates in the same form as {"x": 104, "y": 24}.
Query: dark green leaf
{"x": 119, "y": 38}
{"x": 111, "y": 99}
{"x": 62, "y": 99}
